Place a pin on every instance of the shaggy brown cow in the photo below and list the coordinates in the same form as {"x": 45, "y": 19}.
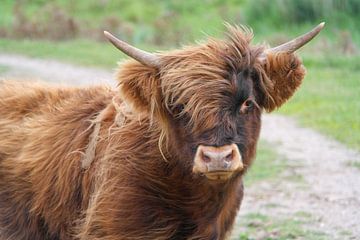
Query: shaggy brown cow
{"x": 161, "y": 157}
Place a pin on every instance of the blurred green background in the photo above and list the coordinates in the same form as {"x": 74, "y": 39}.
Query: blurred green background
{"x": 170, "y": 23}
{"x": 328, "y": 101}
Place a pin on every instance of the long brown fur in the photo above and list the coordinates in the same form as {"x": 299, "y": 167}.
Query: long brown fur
{"x": 137, "y": 181}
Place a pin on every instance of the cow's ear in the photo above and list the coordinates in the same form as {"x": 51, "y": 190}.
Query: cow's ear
{"x": 139, "y": 86}
{"x": 284, "y": 74}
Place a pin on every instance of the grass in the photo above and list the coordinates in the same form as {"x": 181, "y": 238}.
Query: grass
{"x": 3, "y": 69}
{"x": 355, "y": 164}
{"x": 260, "y": 226}
{"x": 82, "y": 52}
{"x": 268, "y": 165}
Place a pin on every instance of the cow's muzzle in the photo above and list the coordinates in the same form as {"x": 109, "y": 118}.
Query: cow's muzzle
{"x": 217, "y": 163}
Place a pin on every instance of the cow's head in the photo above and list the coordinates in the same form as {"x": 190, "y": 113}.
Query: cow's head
{"x": 208, "y": 98}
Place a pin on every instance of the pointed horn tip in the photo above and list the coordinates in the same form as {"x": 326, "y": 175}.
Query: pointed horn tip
{"x": 111, "y": 38}
{"x": 108, "y": 35}
{"x": 145, "y": 58}
{"x": 320, "y": 26}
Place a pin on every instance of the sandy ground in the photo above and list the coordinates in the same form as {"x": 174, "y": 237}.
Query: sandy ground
{"x": 328, "y": 189}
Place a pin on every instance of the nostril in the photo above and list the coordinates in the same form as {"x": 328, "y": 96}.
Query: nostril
{"x": 229, "y": 157}
{"x": 205, "y": 158}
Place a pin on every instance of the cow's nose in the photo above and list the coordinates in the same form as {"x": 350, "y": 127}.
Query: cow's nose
{"x": 216, "y": 155}
{"x": 225, "y": 159}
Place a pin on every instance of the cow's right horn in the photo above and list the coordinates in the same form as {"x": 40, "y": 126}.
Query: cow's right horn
{"x": 294, "y": 44}
{"x": 148, "y": 59}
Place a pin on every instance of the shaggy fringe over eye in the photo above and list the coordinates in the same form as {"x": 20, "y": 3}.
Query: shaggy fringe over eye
{"x": 198, "y": 77}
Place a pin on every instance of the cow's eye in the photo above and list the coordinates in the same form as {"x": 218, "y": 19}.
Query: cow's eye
{"x": 178, "y": 110}
{"x": 247, "y": 106}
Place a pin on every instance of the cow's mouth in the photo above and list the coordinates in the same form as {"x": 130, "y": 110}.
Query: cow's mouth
{"x": 218, "y": 175}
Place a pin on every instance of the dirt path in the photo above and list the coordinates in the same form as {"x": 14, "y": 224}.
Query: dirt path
{"x": 52, "y": 71}
{"x": 327, "y": 187}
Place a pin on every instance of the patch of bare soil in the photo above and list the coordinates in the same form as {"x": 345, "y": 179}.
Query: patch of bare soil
{"x": 318, "y": 181}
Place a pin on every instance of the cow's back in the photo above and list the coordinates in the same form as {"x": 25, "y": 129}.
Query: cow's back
{"x": 42, "y": 131}
{"x": 20, "y": 102}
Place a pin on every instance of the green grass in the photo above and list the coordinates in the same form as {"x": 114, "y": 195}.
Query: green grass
{"x": 81, "y": 52}
{"x": 355, "y": 164}
{"x": 267, "y": 165}
{"x": 3, "y": 69}
{"x": 259, "y": 226}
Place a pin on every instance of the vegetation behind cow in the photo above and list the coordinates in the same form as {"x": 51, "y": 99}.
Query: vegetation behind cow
{"x": 179, "y": 21}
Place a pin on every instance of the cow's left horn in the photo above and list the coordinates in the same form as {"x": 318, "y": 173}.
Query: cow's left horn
{"x": 145, "y": 58}
{"x": 296, "y": 43}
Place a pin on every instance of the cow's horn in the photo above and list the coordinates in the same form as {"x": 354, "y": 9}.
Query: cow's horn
{"x": 145, "y": 58}
{"x": 296, "y": 43}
